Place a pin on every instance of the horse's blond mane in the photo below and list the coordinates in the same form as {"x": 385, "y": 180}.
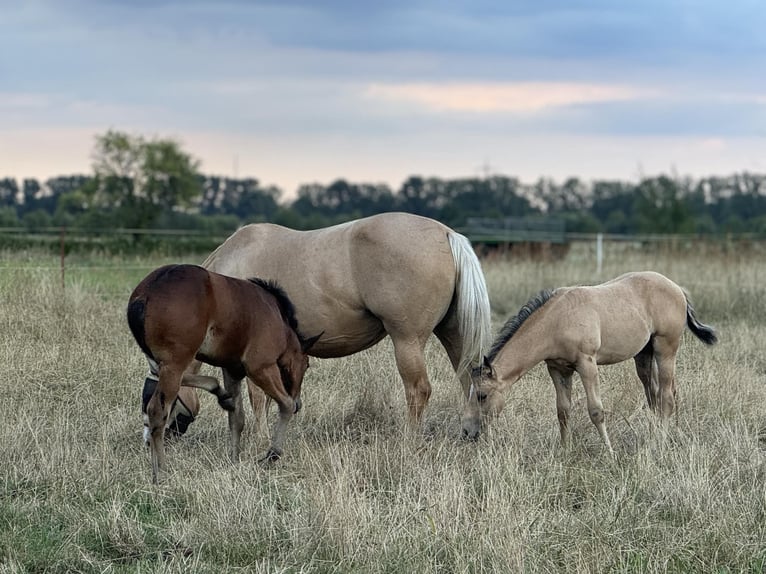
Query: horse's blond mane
{"x": 513, "y": 324}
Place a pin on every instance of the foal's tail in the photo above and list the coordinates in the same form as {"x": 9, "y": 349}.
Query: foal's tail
{"x": 136, "y": 319}
{"x": 703, "y": 332}
{"x": 473, "y": 312}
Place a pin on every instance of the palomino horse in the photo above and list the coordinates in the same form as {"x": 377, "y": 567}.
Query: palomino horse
{"x": 182, "y": 412}
{"x": 394, "y": 273}
{"x": 637, "y": 315}
{"x": 248, "y": 328}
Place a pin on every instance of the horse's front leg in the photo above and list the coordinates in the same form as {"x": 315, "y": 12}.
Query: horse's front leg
{"x": 588, "y": 370}
{"x": 562, "y": 381}
{"x": 260, "y": 403}
{"x": 233, "y": 385}
{"x": 211, "y": 385}
{"x": 270, "y": 381}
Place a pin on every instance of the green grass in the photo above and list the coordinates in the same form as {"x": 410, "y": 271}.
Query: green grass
{"x": 355, "y": 492}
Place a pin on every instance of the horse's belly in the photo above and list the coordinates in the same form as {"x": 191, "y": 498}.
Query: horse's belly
{"x": 616, "y": 350}
{"x": 342, "y": 337}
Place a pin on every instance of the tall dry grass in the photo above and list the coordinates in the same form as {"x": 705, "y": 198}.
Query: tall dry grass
{"x": 355, "y": 492}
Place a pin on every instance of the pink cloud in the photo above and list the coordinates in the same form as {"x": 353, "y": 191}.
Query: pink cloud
{"x": 522, "y": 97}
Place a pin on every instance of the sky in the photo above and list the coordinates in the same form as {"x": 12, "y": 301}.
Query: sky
{"x": 296, "y": 91}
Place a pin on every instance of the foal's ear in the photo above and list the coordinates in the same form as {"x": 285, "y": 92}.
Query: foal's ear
{"x": 486, "y": 368}
{"x": 306, "y": 344}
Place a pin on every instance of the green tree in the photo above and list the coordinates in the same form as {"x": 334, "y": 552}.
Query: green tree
{"x": 138, "y": 178}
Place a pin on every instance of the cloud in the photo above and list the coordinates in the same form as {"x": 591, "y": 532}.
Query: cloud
{"x": 521, "y": 97}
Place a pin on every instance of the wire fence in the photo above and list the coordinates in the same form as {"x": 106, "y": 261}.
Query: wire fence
{"x": 195, "y": 244}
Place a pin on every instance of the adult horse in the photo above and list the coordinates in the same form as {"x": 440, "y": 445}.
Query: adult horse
{"x": 392, "y": 274}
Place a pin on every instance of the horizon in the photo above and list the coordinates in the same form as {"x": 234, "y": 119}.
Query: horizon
{"x": 299, "y": 92}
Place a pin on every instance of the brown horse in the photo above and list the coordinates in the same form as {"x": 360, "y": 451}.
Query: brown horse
{"x": 391, "y": 274}
{"x": 637, "y": 315}
{"x": 248, "y": 328}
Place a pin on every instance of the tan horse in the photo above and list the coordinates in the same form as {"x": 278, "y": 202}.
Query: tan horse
{"x": 183, "y": 410}
{"x": 637, "y": 315}
{"x": 391, "y": 274}
{"x": 180, "y": 313}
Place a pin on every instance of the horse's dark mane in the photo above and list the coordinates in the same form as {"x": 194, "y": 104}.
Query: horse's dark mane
{"x": 512, "y": 325}
{"x": 286, "y": 306}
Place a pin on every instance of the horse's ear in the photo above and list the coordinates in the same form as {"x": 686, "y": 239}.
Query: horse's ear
{"x": 487, "y": 368}
{"x": 306, "y": 344}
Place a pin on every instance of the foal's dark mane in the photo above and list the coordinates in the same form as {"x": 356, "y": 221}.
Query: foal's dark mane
{"x": 512, "y": 325}
{"x": 286, "y": 307}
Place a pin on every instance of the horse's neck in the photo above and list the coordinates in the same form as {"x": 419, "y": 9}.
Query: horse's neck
{"x": 524, "y": 350}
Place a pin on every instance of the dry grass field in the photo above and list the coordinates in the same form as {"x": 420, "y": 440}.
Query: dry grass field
{"x": 354, "y": 492}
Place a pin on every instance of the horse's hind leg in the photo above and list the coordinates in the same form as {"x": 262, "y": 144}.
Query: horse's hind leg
{"x": 157, "y": 411}
{"x": 563, "y": 384}
{"x": 410, "y": 360}
{"x": 236, "y": 414}
{"x": 448, "y": 334}
{"x": 665, "y": 349}
{"x": 646, "y": 368}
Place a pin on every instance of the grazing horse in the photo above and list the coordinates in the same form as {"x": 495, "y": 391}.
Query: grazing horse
{"x": 183, "y": 410}
{"x": 392, "y": 274}
{"x": 180, "y": 313}
{"x": 637, "y": 315}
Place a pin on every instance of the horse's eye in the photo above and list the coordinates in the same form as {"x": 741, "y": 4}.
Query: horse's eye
{"x": 481, "y": 396}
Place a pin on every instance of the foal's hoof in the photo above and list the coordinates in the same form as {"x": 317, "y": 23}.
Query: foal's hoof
{"x": 226, "y": 402}
{"x": 272, "y": 455}
{"x": 472, "y": 436}
{"x": 298, "y": 405}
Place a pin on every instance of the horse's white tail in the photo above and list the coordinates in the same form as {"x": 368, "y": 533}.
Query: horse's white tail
{"x": 473, "y": 311}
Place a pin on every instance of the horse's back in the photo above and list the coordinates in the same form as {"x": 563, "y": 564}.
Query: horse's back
{"x": 176, "y": 304}
{"x": 618, "y": 317}
{"x": 354, "y": 280}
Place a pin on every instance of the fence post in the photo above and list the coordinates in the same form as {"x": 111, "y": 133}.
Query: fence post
{"x": 61, "y": 242}
{"x": 599, "y": 252}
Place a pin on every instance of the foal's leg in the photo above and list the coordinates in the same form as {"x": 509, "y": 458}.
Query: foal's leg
{"x": 157, "y": 412}
{"x": 563, "y": 384}
{"x": 588, "y": 371}
{"x": 270, "y": 380}
{"x": 236, "y": 415}
{"x": 646, "y": 368}
{"x": 260, "y": 404}
{"x": 666, "y": 349}
{"x": 212, "y": 386}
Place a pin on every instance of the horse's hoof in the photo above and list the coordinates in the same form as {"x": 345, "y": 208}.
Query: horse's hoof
{"x": 298, "y": 405}
{"x": 272, "y": 455}
{"x": 471, "y": 436}
{"x": 226, "y": 402}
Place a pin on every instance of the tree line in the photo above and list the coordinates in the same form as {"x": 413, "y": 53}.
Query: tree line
{"x": 140, "y": 183}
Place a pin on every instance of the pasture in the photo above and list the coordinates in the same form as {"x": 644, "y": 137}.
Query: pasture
{"x": 354, "y": 492}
